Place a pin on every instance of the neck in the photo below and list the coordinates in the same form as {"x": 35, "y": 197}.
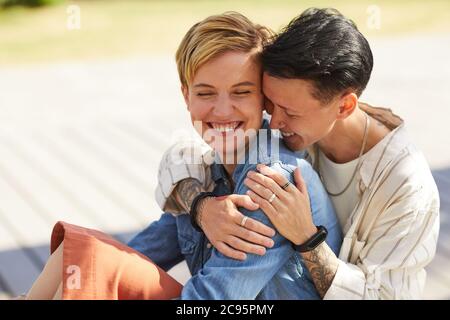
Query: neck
{"x": 229, "y": 162}
{"x": 229, "y": 168}
{"x": 344, "y": 142}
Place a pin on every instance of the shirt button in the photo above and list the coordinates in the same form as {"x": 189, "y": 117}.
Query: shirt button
{"x": 209, "y": 245}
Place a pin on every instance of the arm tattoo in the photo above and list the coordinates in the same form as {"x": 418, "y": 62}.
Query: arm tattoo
{"x": 322, "y": 264}
{"x": 185, "y": 192}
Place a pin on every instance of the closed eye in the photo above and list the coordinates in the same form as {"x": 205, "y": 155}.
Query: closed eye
{"x": 206, "y": 94}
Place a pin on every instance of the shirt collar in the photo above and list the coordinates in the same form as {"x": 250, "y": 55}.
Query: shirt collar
{"x": 383, "y": 153}
{"x": 388, "y": 148}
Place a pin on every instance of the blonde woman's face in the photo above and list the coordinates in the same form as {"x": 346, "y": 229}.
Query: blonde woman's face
{"x": 225, "y": 100}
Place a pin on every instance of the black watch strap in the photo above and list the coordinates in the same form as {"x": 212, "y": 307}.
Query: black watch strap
{"x": 314, "y": 241}
{"x": 193, "y": 213}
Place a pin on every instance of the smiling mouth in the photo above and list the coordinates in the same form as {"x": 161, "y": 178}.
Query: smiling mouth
{"x": 225, "y": 128}
{"x": 287, "y": 134}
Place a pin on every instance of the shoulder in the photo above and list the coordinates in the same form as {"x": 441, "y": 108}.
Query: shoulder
{"x": 408, "y": 179}
{"x": 193, "y": 151}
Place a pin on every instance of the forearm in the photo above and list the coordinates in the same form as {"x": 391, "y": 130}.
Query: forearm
{"x": 185, "y": 192}
{"x": 322, "y": 264}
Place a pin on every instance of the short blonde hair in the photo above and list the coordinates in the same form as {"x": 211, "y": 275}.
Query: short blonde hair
{"x": 205, "y": 40}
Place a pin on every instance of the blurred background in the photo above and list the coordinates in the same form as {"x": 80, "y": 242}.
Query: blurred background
{"x": 90, "y": 99}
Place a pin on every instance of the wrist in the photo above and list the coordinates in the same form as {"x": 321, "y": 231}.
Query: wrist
{"x": 307, "y": 233}
{"x": 201, "y": 210}
{"x": 312, "y": 242}
{"x": 194, "y": 212}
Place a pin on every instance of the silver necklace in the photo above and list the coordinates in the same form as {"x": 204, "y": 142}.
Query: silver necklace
{"x": 366, "y": 131}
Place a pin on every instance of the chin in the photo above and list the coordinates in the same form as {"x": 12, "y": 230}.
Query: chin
{"x": 294, "y": 145}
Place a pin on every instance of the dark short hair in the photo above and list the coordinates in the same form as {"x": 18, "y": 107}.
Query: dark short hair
{"x": 325, "y": 47}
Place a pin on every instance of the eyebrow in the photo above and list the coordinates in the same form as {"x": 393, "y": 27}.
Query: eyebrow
{"x": 244, "y": 83}
{"x": 290, "y": 110}
{"x": 203, "y": 85}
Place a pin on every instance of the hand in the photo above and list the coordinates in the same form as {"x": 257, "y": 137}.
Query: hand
{"x": 221, "y": 222}
{"x": 290, "y": 211}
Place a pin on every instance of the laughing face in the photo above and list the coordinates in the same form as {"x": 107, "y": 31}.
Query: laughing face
{"x": 300, "y": 117}
{"x": 226, "y": 102}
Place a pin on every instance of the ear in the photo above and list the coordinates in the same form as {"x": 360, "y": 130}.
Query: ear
{"x": 185, "y": 92}
{"x": 347, "y": 105}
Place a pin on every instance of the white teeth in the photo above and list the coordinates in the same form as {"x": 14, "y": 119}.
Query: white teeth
{"x": 228, "y": 127}
{"x": 287, "y": 134}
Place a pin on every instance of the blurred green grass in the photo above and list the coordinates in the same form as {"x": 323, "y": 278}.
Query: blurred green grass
{"x": 114, "y": 28}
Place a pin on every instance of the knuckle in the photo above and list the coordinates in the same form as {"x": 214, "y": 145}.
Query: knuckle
{"x": 246, "y": 234}
{"x": 231, "y": 241}
{"x": 264, "y": 204}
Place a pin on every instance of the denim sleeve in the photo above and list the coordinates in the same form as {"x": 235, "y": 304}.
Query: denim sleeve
{"x": 226, "y": 278}
{"x": 159, "y": 242}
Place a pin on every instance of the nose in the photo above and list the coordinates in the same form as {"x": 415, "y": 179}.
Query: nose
{"x": 277, "y": 120}
{"x": 223, "y": 107}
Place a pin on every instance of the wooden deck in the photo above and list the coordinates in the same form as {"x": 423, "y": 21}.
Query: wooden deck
{"x": 70, "y": 175}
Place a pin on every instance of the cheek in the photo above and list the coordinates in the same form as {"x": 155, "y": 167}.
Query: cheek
{"x": 199, "y": 109}
{"x": 251, "y": 108}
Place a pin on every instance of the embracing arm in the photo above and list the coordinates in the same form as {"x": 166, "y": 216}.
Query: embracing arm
{"x": 225, "y": 278}
{"x": 183, "y": 173}
{"x": 308, "y": 197}
{"x": 386, "y": 259}
{"x": 322, "y": 264}
{"x": 185, "y": 192}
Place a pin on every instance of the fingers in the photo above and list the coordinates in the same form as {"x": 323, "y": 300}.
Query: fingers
{"x": 229, "y": 252}
{"x": 269, "y": 172}
{"x": 265, "y": 205}
{"x": 244, "y": 246}
{"x": 259, "y": 189}
{"x": 253, "y": 237}
{"x": 262, "y": 185}
{"x": 299, "y": 181}
{"x": 258, "y": 227}
{"x": 242, "y": 200}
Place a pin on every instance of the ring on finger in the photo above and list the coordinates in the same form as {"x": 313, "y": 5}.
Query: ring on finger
{"x": 244, "y": 220}
{"x": 272, "y": 197}
{"x": 286, "y": 185}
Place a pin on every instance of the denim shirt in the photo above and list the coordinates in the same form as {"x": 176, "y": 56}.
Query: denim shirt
{"x": 279, "y": 274}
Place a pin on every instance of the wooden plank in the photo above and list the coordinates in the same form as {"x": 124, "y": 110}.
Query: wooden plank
{"x": 131, "y": 172}
{"x": 154, "y": 137}
{"x": 103, "y": 190}
{"x": 37, "y": 184}
{"x": 20, "y": 214}
{"x": 18, "y": 267}
{"x": 145, "y": 153}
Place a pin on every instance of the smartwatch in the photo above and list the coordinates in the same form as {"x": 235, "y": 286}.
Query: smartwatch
{"x": 314, "y": 241}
